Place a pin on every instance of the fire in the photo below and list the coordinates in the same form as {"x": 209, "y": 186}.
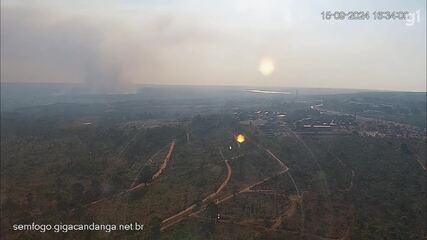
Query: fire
{"x": 240, "y": 138}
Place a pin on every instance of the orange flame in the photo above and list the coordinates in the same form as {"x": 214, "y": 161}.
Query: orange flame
{"x": 240, "y": 138}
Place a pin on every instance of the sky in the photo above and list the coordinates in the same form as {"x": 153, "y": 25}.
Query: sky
{"x": 112, "y": 45}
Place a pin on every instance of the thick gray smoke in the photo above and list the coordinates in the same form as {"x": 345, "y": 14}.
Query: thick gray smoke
{"x": 40, "y": 45}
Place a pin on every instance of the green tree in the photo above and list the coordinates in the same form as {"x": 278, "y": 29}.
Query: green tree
{"x": 146, "y": 174}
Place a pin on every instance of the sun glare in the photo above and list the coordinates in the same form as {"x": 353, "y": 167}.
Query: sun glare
{"x": 266, "y": 66}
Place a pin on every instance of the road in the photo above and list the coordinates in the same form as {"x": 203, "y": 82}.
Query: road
{"x": 285, "y": 169}
{"x": 282, "y": 165}
{"x": 288, "y": 212}
{"x": 161, "y": 169}
{"x": 156, "y": 175}
{"x": 168, "y": 222}
{"x": 223, "y": 185}
{"x": 249, "y": 188}
{"x": 150, "y": 161}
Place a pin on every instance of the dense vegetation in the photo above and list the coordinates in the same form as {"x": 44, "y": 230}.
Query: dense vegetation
{"x": 80, "y": 163}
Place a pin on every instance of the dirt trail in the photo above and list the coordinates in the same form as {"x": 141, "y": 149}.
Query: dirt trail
{"x": 161, "y": 169}
{"x": 223, "y": 185}
{"x": 284, "y": 167}
{"x": 249, "y": 188}
{"x": 166, "y": 161}
{"x": 277, "y": 159}
{"x": 157, "y": 174}
{"x": 288, "y": 212}
{"x": 421, "y": 147}
{"x": 293, "y": 182}
{"x": 150, "y": 161}
{"x": 188, "y": 211}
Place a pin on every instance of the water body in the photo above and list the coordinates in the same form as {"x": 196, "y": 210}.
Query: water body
{"x": 267, "y": 92}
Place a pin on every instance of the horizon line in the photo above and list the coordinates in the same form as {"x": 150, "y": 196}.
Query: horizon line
{"x": 230, "y": 86}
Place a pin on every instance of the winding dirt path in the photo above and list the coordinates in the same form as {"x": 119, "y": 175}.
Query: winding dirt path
{"x": 159, "y": 172}
{"x": 249, "y": 188}
{"x": 275, "y": 158}
{"x": 150, "y": 161}
{"x": 170, "y": 221}
{"x": 167, "y": 223}
{"x": 223, "y": 185}
{"x": 288, "y": 212}
{"x": 156, "y": 175}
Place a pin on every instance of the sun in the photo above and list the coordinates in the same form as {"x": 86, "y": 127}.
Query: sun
{"x": 240, "y": 138}
{"x": 266, "y": 66}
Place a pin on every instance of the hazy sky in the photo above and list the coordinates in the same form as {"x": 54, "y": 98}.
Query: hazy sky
{"x": 111, "y": 44}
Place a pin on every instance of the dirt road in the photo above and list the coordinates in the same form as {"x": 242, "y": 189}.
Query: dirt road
{"x": 150, "y": 161}
{"x": 277, "y": 159}
{"x": 189, "y": 211}
{"x": 156, "y": 175}
{"x": 161, "y": 169}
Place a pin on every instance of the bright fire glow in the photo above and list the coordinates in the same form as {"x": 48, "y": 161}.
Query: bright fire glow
{"x": 266, "y": 66}
{"x": 240, "y": 138}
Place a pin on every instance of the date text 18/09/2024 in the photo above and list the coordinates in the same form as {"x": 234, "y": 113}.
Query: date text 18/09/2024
{"x": 366, "y": 15}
